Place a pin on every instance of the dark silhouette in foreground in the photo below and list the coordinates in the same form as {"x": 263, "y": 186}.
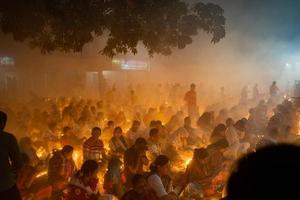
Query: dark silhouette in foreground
{"x": 10, "y": 162}
{"x": 270, "y": 173}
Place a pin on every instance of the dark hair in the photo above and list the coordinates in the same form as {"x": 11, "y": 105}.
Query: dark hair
{"x": 137, "y": 178}
{"x": 96, "y": 129}
{"x": 200, "y": 154}
{"x": 110, "y": 122}
{"x": 88, "y": 167}
{"x": 241, "y": 124}
{"x": 140, "y": 141}
{"x": 229, "y": 121}
{"x": 66, "y": 129}
{"x": 153, "y": 131}
{"x": 218, "y": 129}
{"x": 136, "y": 123}
{"x": 160, "y": 161}
{"x": 118, "y": 128}
{"x": 187, "y": 118}
{"x": 152, "y": 123}
{"x": 67, "y": 149}
{"x": 3, "y": 120}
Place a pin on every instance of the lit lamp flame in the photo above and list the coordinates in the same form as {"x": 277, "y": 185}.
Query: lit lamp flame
{"x": 77, "y": 157}
{"x": 43, "y": 173}
{"x": 41, "y": 152}
{"x": 187, "y": 162}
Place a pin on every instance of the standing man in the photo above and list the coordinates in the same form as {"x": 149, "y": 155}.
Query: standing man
{"x": 10, "y": 162}
{"x": 273, "y": 90}
{"x": 190, "y": 99}
{"x": 93, "y": 147}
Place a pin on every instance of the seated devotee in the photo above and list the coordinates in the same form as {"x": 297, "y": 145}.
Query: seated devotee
{"x": 118, "y": 144}
{"x": 198, "y": 175}
{"x": 69, "y": 138}
{"x": 236, "y": 148}
{"x": 61, "y": 168}
{"x": 175, "y": 144}
{"x": 134, "y": 132}
{"x": 51, "y": 135}
{"x": 270, "y": 173}
{"x": 27, "y": 177}
{"x": 216, "y": 150}
{"x": 26, "y": 147}
{"x": 153, "y": 144}
{"x": 140, "y": 190}
{"x": 179, "y": 139}
{"x": 135, "y": 159}
{"x": 206, "y": 123}
{"x": 187, "y": 126}
{"x": 93, "y": 147}
{"x": 159, "y": 173}
{"x": 175, "y": 122}
{"x": 218, "y": 133}
{"x": 84, "y": 184}
{"x": 114, "y": 178}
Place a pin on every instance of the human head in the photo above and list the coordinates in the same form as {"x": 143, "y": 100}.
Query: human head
{"x": 110, "y": 124}
{"x": 274, "y": 82}
{"x": 118, "y": 131}
{"x": 229, "y": 122}
{"x": 160, "y": 165}
{"x": 135, "y": 125}
{"x": 3, "y": 120}
{"x": 152, "y": 124}
{"x": 241, "y": 124}
{"x": 67, "y": 152}
{"x": 269, "y": 173}
{"x": 154, "y": 134}
{"x": 140, "y": 144}
{"x": 89, "y": 169}
{"x": 187, "y": 121}
{"x": 96, "y": 132}
{"x": 219, "y": 131}
{"x": 193, "y": 87}
{"x": 200, "y": 154}
{"x": 67, "y": 130}
{"x": 139, "y": 183}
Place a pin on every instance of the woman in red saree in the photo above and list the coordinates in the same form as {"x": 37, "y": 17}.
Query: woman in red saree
{"x": 84, "y": 184}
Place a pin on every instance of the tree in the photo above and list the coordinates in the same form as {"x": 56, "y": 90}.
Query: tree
{"x": 67, "y": 25}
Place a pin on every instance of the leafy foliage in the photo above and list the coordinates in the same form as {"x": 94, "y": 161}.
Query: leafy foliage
{"x": 67, "y": 25}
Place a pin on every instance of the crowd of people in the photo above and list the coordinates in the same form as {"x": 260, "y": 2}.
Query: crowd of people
{"x": 132, "y": 149}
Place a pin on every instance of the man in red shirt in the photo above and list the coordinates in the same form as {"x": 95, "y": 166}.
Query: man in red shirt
{"x": 93, "y": 147}
{"x": 190, "y": 99}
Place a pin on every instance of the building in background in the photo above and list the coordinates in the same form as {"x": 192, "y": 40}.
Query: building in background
{"x": 8, "y": 75}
